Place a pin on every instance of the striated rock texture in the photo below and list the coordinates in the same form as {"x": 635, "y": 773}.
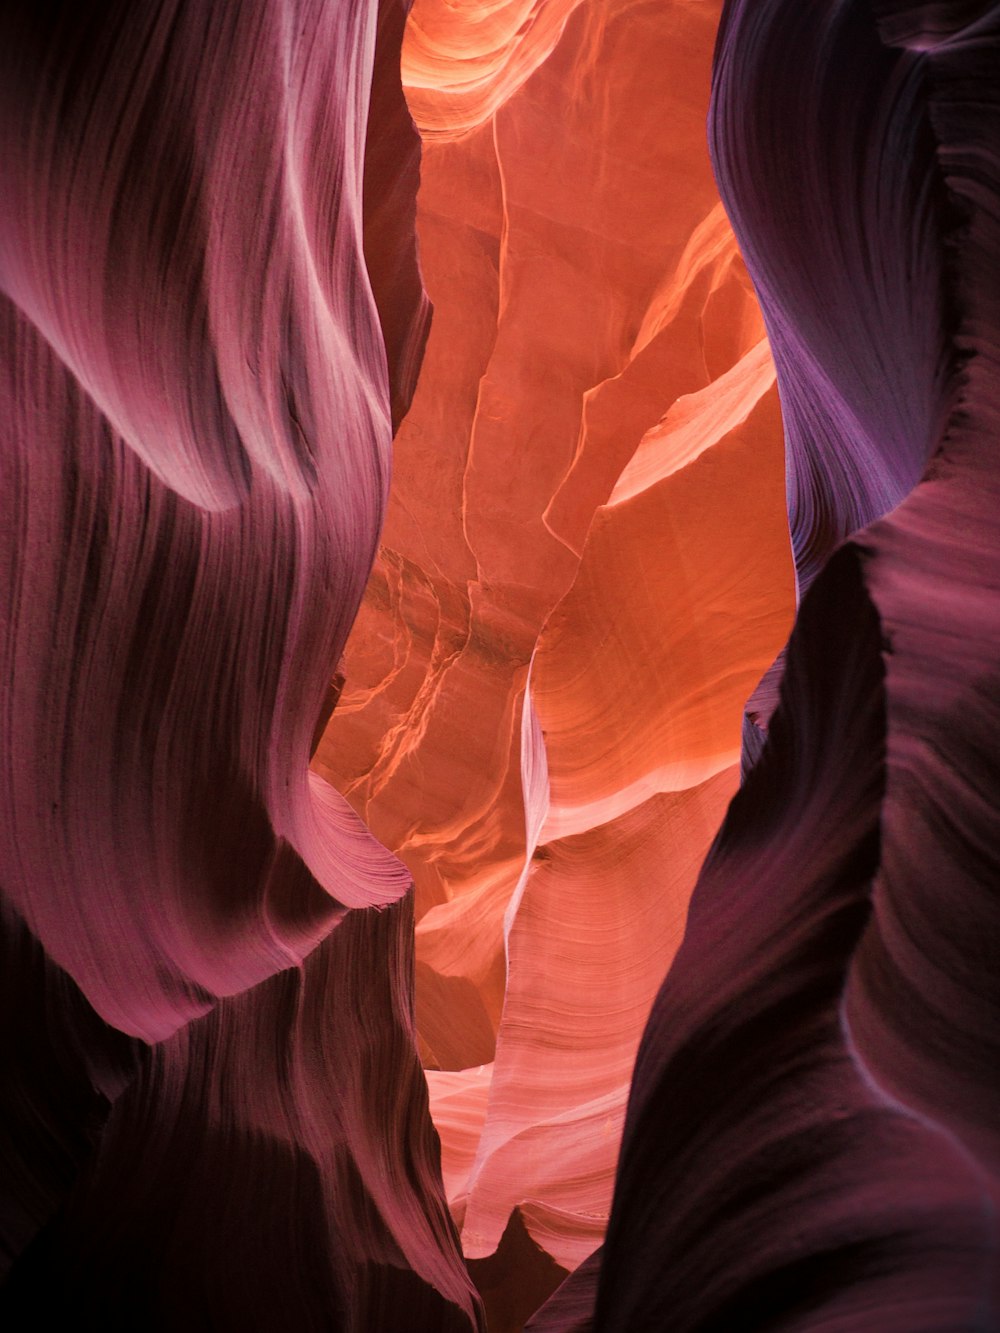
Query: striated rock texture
{"x": 219, "y": 986}
{"x": 214, "y": 1112}
{"x": 289, "y": 1130}
{"x": 811, "y": 1136}
{"x": 590, "y": 486}
{"x": 169, "y": 423}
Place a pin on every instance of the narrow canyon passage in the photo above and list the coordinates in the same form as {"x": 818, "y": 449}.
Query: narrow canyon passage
{"x": 500, "y": 639}
{"x": 588, "y": 488}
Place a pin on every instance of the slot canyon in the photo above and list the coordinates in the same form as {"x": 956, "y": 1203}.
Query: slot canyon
{"x": 500, "y": 796}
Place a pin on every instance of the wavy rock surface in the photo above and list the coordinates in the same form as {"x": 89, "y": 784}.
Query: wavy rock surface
{"x": 924, "y": 1006}
{"x": 811, "y": 1138}
{"x": 212, "y": 320}
{"x": 166, "y": 423}
{"x": 219, "y": 1100}
{"x": 760, "y": 1155}
{"x": 639, "y": 707}
{"x": 860, "y": 370}
{"x": 246, "y": 1171}
{"x": 462, "y": 62}
{"x": 595, "y": 419}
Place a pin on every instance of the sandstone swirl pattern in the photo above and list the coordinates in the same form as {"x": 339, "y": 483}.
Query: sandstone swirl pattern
{"x": 196, "y": 410}
{"x": 589, "y": 486}
{"x": 811, "y": 1138}
{"x": 558, "y": 889}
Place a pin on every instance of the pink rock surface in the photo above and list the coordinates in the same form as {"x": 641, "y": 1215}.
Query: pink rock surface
{"x": 198, "y": 468}
{"x": 765, "y": 1179}
{"x": 704, "y": 997}
{"x": 211, "y": 310}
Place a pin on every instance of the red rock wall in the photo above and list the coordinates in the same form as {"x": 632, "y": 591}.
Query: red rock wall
{"x": 589, "y": 485}
{"x": 699, "y": 993}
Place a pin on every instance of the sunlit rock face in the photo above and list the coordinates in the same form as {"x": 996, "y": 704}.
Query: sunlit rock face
{"x": 214, "y": 1112}
{"x": 588, "y": 488}
{"x": 692, "y": 1002}
{"x": 811, "y": 1137}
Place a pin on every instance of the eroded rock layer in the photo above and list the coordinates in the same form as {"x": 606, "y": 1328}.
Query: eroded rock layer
{"x": 589, "y": 487}
{"x": 811, "y": 1136}
{"x": 219, "y": 988}
{"x": 210, "y": 311}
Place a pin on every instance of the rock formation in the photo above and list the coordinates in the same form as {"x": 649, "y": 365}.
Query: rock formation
{"x": 558, "y": 888}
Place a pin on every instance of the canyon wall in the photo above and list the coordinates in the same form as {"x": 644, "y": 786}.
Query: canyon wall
{"x": 459, "y": 903}
{"x": 214, "y": 1112}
